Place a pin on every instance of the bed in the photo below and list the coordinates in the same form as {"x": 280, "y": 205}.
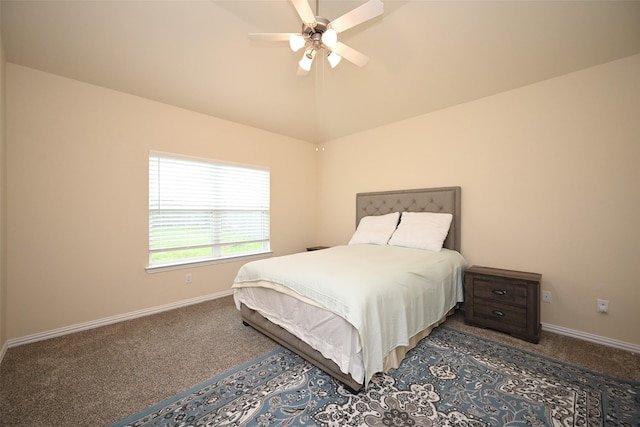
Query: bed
{"x": 343, "y": 308}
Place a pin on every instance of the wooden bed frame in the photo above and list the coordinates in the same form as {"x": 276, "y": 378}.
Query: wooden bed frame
{"x": 444, "y": 199}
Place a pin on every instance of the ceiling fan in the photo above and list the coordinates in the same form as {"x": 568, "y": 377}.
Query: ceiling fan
{"x": 319, "y": 34}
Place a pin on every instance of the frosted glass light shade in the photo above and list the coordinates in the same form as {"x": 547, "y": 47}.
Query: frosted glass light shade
{"x": 334, "y": 59}
{"x": 330, "y": 37}
{"x": 296, "y": 42}
{"x": 305, "y": 62}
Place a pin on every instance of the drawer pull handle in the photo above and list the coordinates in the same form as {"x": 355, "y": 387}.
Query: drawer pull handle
{"x": 499, "y": 292}
{"x": 498, "y": 313}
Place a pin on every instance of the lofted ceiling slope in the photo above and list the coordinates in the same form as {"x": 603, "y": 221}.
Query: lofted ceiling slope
{"x": 424, "y": 55}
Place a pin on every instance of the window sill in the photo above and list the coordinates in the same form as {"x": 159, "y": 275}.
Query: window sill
{"x": 191, "y": 264}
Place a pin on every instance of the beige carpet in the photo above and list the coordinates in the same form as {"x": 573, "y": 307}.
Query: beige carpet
{"x": 100, "y": 376}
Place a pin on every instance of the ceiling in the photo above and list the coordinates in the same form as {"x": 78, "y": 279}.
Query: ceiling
{"x": 424, "y": 55}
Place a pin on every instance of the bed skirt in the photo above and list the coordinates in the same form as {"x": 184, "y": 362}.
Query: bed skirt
{"x": 285, "y": 338}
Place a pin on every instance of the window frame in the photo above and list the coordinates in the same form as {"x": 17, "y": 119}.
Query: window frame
{"x": 214, "y": 212}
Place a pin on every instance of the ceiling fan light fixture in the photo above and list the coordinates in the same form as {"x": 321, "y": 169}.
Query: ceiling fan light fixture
{"x": 330, "y": 38}
{"x": 296, "y": 42}
{"x": 334, "y": 59}
{"x": 318, "y": 33}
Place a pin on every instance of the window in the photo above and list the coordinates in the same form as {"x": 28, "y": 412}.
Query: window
{"x": 201, "y": 210}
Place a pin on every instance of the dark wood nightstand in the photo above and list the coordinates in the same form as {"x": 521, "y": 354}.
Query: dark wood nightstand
{"x": 316, "y": 248}
{"x": 505, "y": 300}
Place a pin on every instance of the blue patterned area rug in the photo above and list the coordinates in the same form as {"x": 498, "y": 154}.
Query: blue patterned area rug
{"x": 451, "y": 378}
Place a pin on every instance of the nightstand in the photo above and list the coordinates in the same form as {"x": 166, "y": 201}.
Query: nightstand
{"x": 316, "y": 248}
{"x": 504, "y": 300}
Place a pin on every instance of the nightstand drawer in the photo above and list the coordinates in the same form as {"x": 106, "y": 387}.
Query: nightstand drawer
{"x": 502, "y": 314}
{"x": 501, "y": 291}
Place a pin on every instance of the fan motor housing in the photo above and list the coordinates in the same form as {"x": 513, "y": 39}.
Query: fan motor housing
{"x": 313, "y": 34}
{"x": 320, "y": 27}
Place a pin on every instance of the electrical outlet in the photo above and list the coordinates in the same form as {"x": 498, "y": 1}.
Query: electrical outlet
{"x": 602, "y": 306}
{"x": 188, "y": 278}
{"x": 546, "y": 297}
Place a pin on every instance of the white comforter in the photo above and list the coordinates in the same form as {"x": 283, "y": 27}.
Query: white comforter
{"x": 388, "y": 293}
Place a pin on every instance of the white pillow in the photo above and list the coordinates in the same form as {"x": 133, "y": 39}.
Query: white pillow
{"x": 422, "y": 230}
{"x": 375, "y": 229}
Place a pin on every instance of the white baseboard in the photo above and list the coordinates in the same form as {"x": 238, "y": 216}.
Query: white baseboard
{"x": 634, "y": 348}
{"x": 110, "y": 320}
{"x": 3, "y": 351}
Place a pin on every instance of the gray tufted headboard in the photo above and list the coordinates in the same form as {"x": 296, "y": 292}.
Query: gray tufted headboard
{"x": 445, "y": 199}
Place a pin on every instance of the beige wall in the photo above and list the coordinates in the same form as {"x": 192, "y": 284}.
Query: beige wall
{"x": 78, "y": 198}
{"x": 550, "y": 177}
{"x": 3, "y": 205}
{"x": 549, "y": 174}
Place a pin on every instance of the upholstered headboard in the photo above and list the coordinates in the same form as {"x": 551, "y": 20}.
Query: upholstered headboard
{"x": 445, "y": 199}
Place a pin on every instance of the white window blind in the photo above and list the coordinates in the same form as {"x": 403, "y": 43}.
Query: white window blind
{"x": 203, "y": 210}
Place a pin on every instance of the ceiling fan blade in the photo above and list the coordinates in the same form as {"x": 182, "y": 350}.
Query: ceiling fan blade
{"x": 357, "y": 16}
{"x": 270, "y": 37}
{"x": 350, "y": 54}
{"x": 304, "y": 10}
